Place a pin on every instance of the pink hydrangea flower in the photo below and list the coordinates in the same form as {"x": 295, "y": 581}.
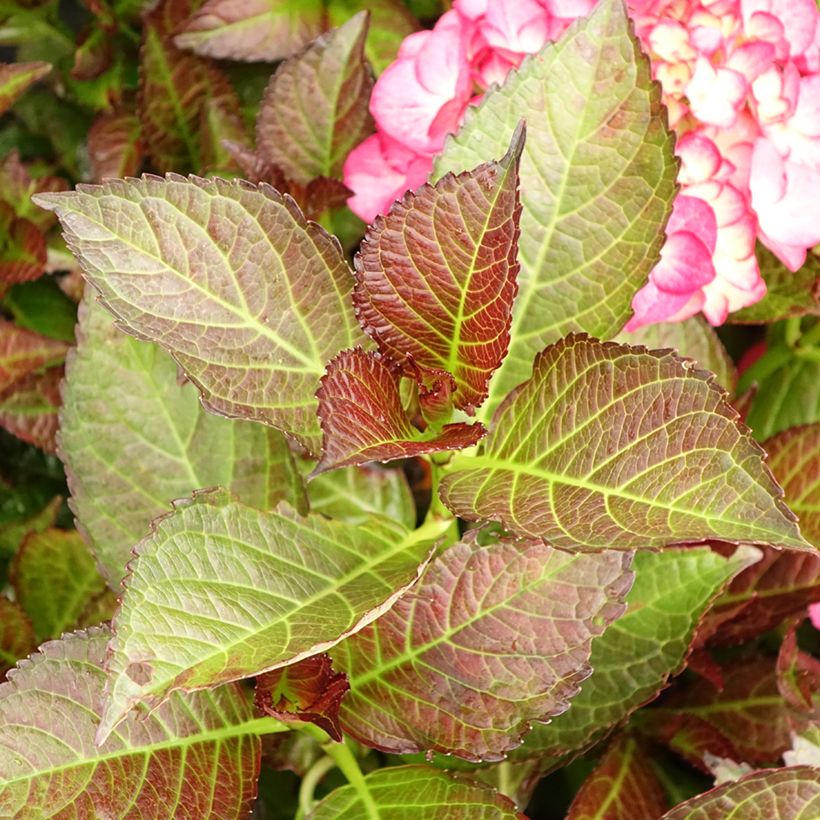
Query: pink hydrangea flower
{"x": 814, "y": 614}
{"x": 741, "y": 82}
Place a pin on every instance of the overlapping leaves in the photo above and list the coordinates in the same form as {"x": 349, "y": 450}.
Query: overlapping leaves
{"x": 219, "y": 591}
{"x": 597, "y": 182}
{"x": 462, "y": 662}
{"x": 608, "y": 446}
{"x": 229, "y": 278}
{"x": 158, "y": 766}
{"x": 15, "y": 78}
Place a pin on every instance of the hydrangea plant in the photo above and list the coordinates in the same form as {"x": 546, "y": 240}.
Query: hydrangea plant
{"x": 429, "y": 520}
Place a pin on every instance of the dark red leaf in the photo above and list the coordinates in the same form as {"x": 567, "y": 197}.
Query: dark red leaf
{"x": 22, "y": 249}
{"x": 28, "y": 409}
{"x": 114, "y": 146}
{"x": 308, "y": 691}
{"x": 436, "y": 276}
{"x": 693, "y": 739}
{"x": 16, "y": 634}
{"x": 363, "y": 420}
{"x": 798, "y": 673}
{"x": 23, "y": 351}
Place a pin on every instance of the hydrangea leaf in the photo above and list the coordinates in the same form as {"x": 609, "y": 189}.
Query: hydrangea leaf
{"x": 252, "y": 29}
{"x": 798, "y": 673}
{"x": 55, "y": 579}
{"x": 219, "y": 591}
{"x": 28, "y": 409}
{"x": 175, "y": 86}
{"x": 315, "y": 108}
{"x": 22, "y": 249}
{"x": 16, "y": 635}
{"x": 363, "y": 418}
{"x": 230, "y": 278}
{"x": 390, "y": 22}
{"x": 788, "y": 293}
{"x": 22, "y": 352}
{"x": 115, "y": 146}
{"x": 622, "y": 787}
{"x": 635, "y": 657}
{"x": 15, "y": 78}
{"x": 597, "y": 182}
{"x": 133, "y": 438}
{"x": 695, "y": 339}
{"x": 479, "y": 648}
{"x": 788, "y": 793}
{"x": 615, "y": 447}
{"x": 436, "y": 276}
{"x": 220, "y": 122}
{"x": 416, "y": 793}
{"x": 307, "y": 691}
{"x": 357, "y": 492}
{"x": 160, "y": 765}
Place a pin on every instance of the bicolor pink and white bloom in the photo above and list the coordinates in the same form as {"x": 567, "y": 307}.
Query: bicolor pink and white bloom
{"x": 741, "y": 82}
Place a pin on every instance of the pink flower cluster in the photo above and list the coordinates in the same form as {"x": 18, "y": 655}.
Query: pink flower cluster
{"x": 741, "y": 80}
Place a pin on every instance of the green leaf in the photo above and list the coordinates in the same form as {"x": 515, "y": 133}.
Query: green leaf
{"x": 597, "y": 182}
{"x": 133, "y": 438}
{"x": 22, "y": 352}
{"x": 615, "y": 447}
{"x": 436, "y": 276}
{"x": 416, "y": 793}
{"x": 16, "y": 639}
{"x": 42, "y": 307}
{"x": 695, "y": 339}
{"x": 622, "y": 787}
{"x": 254, "y": 321}
{"x": 253, "y": 29}
{"x": 219, "y": 591}
{"x": 784, "y": 793}
{"x": 788, "y": 293}
{"x": 175, "y": 88}
{"x": 315, "y": 108}
{"x": 15, "y": 78}
{"x": 163, "y": 765}
{"x": 390, "y": 22}
{"x": 479, "y": 648}
{"x": 353, "y": 494}
{"x": 55, "y": 580}
{"x": 363, "y": 418}
{"x": 634, "y": 659}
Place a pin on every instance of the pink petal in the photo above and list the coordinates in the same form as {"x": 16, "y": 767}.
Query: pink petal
{"x": 716, "y": 95}
{"x": 700, "y": 158}
{"x": 519, "y": 26}
{"x": 651, "y": 305}
{"x": 694, "y": 216}
{"x": 752, "y": 59}
{"x": 685, "y": 264}
{"x": 814, "y": 614}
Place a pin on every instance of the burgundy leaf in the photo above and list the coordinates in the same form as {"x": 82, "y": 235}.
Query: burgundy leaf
{"x": 436, "y": 276}
{"x": 220, "y": 121}
{"x": 15, "y": 78}
{"x": 787, "y": 794}
{"x": 22, "y": 249}
{"x": 492, "y": 638}
{"x": 693, "y": 738}
{"x": 17, "y": 186}
{"x": 622, "y": 787}
{"x": 24, "y": 351}
{"x": 28, "y": 408}
{"x": 115, "y": 147}
{"x": 16, "y": 636}
{"x": 798, "y": 673}
{"x": 363, "y": 420}
{"x": 308, "y": 691}
{"x": 315, "y": 108}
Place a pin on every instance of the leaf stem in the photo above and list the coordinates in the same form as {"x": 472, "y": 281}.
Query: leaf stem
{"x": 313, "y": 776}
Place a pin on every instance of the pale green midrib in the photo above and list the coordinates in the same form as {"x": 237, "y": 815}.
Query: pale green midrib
{"x": 249, "y": 321}
{"x": 494, "y": 464}
{"x": 255, "y": 726}
{"x": 617, "y": 781}
{"x": 189, "y": 38}
{"x": 362, "y": 570}
{"x": 723, "y": 706}
{"x": 377, "y": 671}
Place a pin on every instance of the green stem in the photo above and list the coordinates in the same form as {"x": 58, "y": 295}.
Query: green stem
{"x": 811, "y": 337}
{"x": 313, "y": 776}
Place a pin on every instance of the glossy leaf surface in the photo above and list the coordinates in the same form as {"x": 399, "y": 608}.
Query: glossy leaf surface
{"x": 159, "y": 766}
{"x": 133, "y": 439}
{"x": 481, "y": 647}
{"x": 229, "y": 278}
{"x": 363, "y": 419}
{"x": 597, "y": 182}
{"x": 436, "y": 276}
{"x": 417, "y": 793}
{"x": 608, "y": 446}
{"x": 315, "y": 108}
{"x": 219, "y": 591}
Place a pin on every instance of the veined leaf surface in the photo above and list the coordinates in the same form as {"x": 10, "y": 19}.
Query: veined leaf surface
{"x": 597, "y": 182}
{"x": 23, "y": 351}
{"x": 219, "y": 591}
{"x": 363, "y": 419}
{"x": 436, "y": 276}
{"x": 28, "y": 409}
{"x": 133, "y": 439}
{"x": 463, "y": 662}
{"x": 163, "y": 765}
{"x": 315, "y": 108}
{"x": 416, "y": 793}
{"x": 228, "y": 277}
{"x": 614, "y": 447}
{"x": 115, "y": 146}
